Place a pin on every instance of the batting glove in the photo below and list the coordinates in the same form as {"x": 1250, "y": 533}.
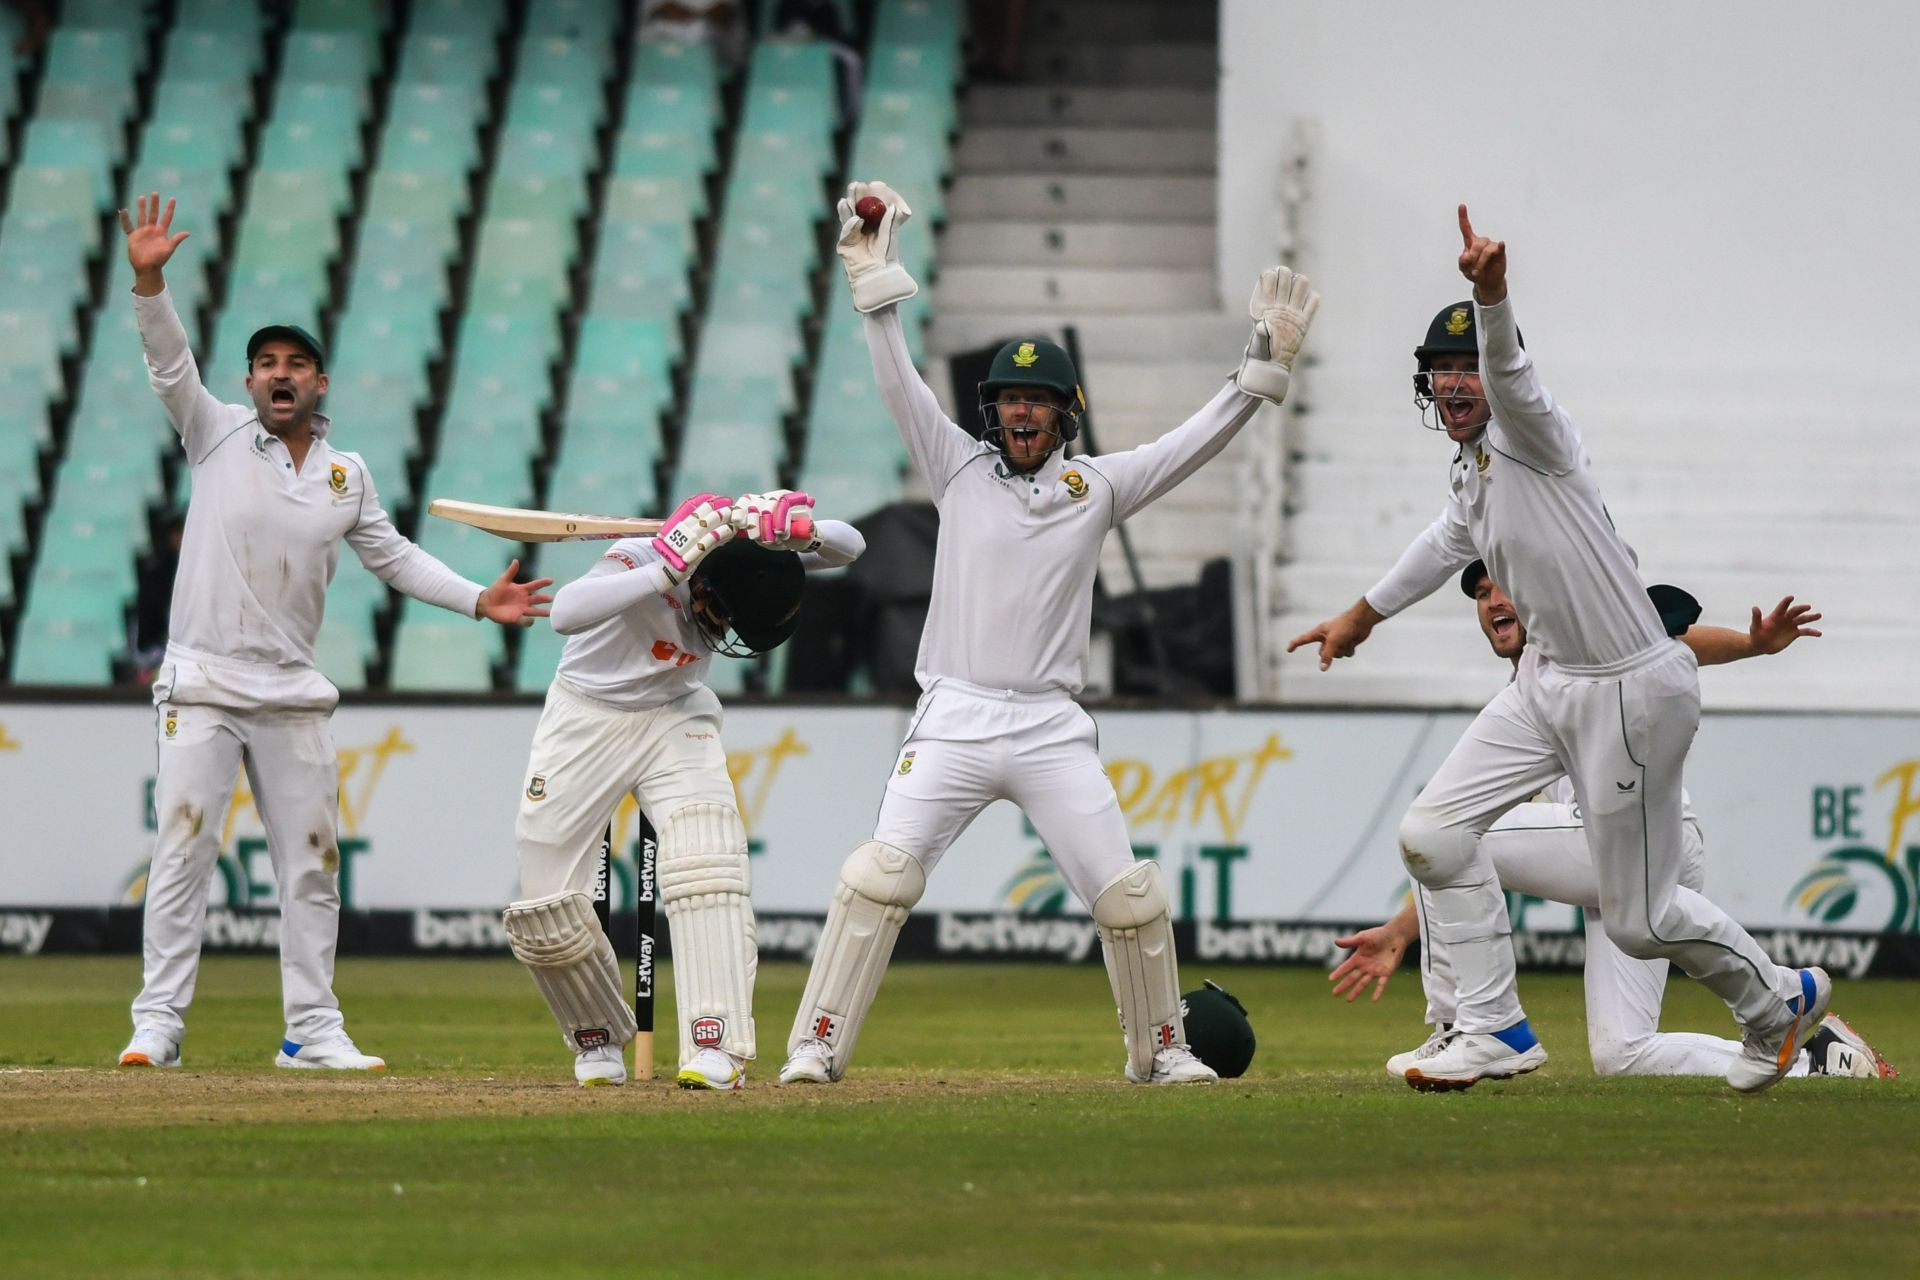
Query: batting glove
{"x": 781, "y": 519}
{"x": 1282, "y": 309}
{"x": 872, "y": 259}
{"x": 695, "y": 528}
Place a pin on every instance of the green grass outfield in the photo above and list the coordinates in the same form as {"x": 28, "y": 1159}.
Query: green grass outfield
{"x": 985, "y": 1132}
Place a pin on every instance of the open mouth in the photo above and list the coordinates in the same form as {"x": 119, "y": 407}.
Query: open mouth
{"x": 281, "y": 397}
{"x": 1503, "y": 624}
{"x": 1024, "y": 436}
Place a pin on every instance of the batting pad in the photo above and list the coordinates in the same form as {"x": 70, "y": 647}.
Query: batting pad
{"x": 563, "y": 946}
{"x": 878, "y": 886}
{"x": 1135, "y": 922}
{"x": 704, "y": 886}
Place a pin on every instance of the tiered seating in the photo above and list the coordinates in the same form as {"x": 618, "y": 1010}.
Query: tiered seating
{"x": 854, "y": 459}
{"x": 510, "y": 335}
{"x": 768, "y": 247}
{"x": 62, "y": 184}
{"x": 23, "y": 403}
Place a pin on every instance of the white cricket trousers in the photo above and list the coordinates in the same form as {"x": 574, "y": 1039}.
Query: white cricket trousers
{"x": 1621, "y": 733}
{"x": 969, "y": 746}
{"x": 1541, "y": 850}
{"x": 588, "y": 755}
{"x": 295, "y": 776}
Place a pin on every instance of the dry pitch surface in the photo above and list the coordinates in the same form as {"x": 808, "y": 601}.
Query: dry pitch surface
{"x": 985, "y": 1133}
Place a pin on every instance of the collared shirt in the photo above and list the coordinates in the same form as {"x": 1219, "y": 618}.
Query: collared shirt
{"x": 262, "y": 537}
{"x": 1014, "y": 567}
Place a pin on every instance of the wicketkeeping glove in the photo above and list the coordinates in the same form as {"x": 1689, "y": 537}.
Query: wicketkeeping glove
{"x": 781, "y": 519}
{"x": 1282, "y": 309}
{"x": 695, "y": 528}
{"x": 872, "y": 259}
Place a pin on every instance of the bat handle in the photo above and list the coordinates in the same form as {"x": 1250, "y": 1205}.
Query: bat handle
{"x": 800, "y": 528}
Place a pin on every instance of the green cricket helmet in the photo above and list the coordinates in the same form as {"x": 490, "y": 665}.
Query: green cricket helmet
{"x": 1218, "y": 1031}
{"x": 1032, "y": 362}
{"x": 752, "y": 597}
{"x": 1454, "y": 332}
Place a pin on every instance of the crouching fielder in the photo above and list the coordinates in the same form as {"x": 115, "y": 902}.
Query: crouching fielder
{"x": 629, "y": 713}
{"x": 1004, "y": 652}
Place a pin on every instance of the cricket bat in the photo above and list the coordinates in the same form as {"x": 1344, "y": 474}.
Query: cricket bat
{"x": 520, "y": 524}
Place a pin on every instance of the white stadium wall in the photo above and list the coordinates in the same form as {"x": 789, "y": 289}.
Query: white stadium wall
{"x": 1812, "y": 822}
{"x": 1721, "y": 186}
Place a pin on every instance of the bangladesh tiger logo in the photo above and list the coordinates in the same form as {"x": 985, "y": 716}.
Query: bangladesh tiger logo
{"x": 537, "y": 787}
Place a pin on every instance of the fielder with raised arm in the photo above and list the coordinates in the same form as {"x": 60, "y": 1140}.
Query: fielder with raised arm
{"x": 272, "y": 501}
{"x": 1005, "y": 650}
{"x": 1540, "y": 849}
{"x": 629, "y": 712}
{"x": 1602, "y": 695}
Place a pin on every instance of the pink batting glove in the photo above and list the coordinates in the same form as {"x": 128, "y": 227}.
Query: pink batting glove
{"x": 793, "y": 517}
{"x": 690, "y": 521}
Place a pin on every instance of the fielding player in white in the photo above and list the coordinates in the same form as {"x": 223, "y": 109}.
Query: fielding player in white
{"x": 629, "y": 713}
{"x": 272, "y": 500}
{"x": 1540, "y": 849}
{"x": 1603, "y": 695}
{"x": 1004, "y": 652}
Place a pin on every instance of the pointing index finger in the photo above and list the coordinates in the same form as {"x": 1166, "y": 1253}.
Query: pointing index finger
{"x": 1466, "y": 227}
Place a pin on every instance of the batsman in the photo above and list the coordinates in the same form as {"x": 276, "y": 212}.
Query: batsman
{"x": 1004, "y": 652}
{"x": 629, "y": 712}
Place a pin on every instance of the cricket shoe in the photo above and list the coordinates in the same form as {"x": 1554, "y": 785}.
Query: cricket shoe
{"x": 1176, "y": 1064}
{"x": 1460, "y": 1059}
{"x": 712, "y": 1069}
{"x": 1397, "y": 1065}
{"x": 1838, "y": 1050}
{"x": 604, "y": 1065}
{"x": 811, "y": 1062}
{"x": 150, "y": 1048}
{"x": 1766, "y": 1057}
{"x": 329, "y": 1055}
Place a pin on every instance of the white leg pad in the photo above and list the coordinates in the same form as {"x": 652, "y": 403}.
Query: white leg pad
{"x": 1135, "y": 922}
{"x": 704, "y": 886}
{"x": 879, "y": 884}
{"x": 573, "y": 965}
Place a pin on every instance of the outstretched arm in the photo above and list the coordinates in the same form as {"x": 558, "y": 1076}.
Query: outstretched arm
{"x": 413, "y": 572}
{"x": 1440, "y": 551}
{"x": 1765, "y": 635}
{"x": 196, "y": 413}
{"x": 937, "y": 447}
{"x": 1531, "y": 425}
{"x": 1376, "y": 954}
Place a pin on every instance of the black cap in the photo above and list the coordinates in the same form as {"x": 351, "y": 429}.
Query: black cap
{"x": 286, "y": 333}
{"x": 1677, "y": 608}
{"x": 1470, "y": 578}
{"x": 1218, "y": 1031}
{"x": 758, "y": 589}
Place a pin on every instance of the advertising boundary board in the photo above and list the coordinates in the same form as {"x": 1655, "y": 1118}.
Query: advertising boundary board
{"x": 933, "y": 935}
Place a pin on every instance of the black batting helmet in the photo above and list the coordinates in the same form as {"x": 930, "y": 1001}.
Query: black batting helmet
{"x": 1218, "y": 1031}
{"x": 756, "y": 593}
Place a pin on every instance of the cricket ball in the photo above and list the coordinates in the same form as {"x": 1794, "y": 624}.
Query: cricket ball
{"x": 871, "y": 209}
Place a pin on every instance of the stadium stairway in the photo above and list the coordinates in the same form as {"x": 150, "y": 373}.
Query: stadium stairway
{"x": 1085, "y": 196}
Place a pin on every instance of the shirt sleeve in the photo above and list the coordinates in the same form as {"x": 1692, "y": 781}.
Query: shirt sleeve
{"x": 839, "y": 544}
{"x": 1529, "y": 424}
{"x": 196, "y": 413}
{"x": 1442, "y": 550}
{"x": 937, "y": 447}
{"x": 400, "y": 563}
{"x": 623, "y": 577}
{"x": 1139, "y": 476}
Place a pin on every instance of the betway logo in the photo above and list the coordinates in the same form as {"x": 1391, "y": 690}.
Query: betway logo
{"x": 797, "y": 937}
{"x": 1067, "y": 938}
{"x": 1262, "y": 940}
{"x": 229, "y": 931}
{"x": 1837, "y": 953}
{"x": 459, "y": 931}
{"x": 24, "y": 932}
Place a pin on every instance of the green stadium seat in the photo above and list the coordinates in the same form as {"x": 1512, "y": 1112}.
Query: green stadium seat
{"x": 582, "y": 19}
{"x": 595, "y": 485}
{"x": 25, "y": 286}
{"x": 303, "y": 196}
{"x": 224, "y": 57}
{"x": 671, "y": 108}
{"x": 647, "y": 154}
{"x": 451, "y": 656}
{"x": 370, "y": 342}
{"x": 67, "y": 651}
{"x": 104, "y": 15}
{"x": 218, "y": 15}
{"x": 557, "y": 201}
{"x": 925, "y": 22}
{"x": 619, "y": 291}
{"x": 28, "y": 347}
{"x": 336, "y": 107}
{"x": 727, "y": 676}
{"x": 418, "y": 249}
{"x": 541, "y": 153}
{"x": 61, "y": 194}
{"x": 340, "y": 651}
{"x": 463, "y": 60}
{"x": 90, "y": 104}
{"x": 74, "y": 146}
{"x": 912, "y": 66}
{"x": 669, "y": 62}
{"x": 367, "y": 17}
{"x": 459, "y": 16}
{"x": 208, "y": 148}
{"x": 564, "y": 109}
{"x": 488, "y": 412}
{"x": 790, "y": 63}
{"x": 669, "y": 201}
{"x": 563, "y": 60}
{"x": 517, "y": 295}
{"x": 799, "y": 108}
{"x": 415, "y": 197}
{"x": 435, "y": 106}
{"x": 327, "y": 57}
{"x": 731, "y": 457}
{"x": 540, "y": 649}
{"x": 851, "y": 495}
{"x": 109, "y": 59}
{"x": 449, "y": 152}
{"x": 467, "y": 551}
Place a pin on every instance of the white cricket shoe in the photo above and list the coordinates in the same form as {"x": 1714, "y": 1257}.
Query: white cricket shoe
{"x": 811, "y": 1062}
{"x": 1838, "y": 1050}
{"x": 150, "y": 1048}
{"x": 1397, "y": 1065}
{"x": 1176, "y": 1064}
{"x": 605, "y": 1065}
{"x": 1765, "y": 1059}
{"x": 1462, "y": 1058}
{"x": 712, "y": 1069}
{"x": 330, "y": 1055}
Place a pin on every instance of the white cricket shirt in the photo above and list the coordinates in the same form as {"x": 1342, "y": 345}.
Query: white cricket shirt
{"x": 1524, "y": 499}
{"x": 1014, "y": 565}
{"x": 262, "y": 541}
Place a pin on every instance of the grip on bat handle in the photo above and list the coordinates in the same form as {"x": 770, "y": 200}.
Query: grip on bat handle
{"x": 800, "y": 528}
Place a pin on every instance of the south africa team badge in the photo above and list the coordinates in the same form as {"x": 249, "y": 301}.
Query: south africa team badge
{"x": 1076, "y": 486}
{"x": 906, "y": 763}
{"x": 337, "y": 478}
